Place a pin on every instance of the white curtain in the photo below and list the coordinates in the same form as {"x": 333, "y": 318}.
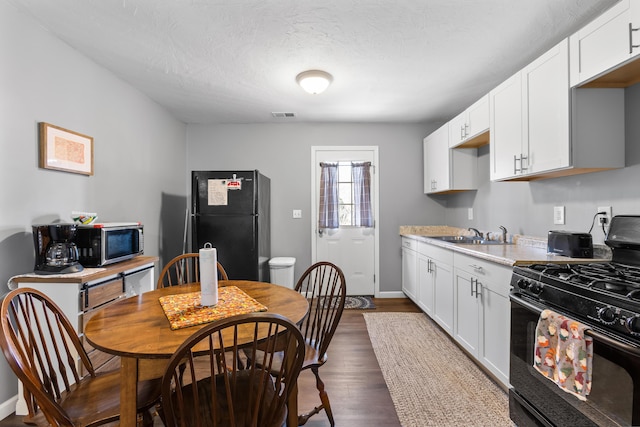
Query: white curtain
{"x": 363, "y": 214}
{"x": 328, "y": 212}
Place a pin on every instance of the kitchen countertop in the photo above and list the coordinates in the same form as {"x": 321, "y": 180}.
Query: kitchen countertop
{"x": 523, "y": 250}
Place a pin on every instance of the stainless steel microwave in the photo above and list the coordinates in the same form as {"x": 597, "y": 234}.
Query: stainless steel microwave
{"x": 109, "y": 242}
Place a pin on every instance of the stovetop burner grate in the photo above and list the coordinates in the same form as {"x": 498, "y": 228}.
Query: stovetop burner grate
{"x": 618, "y": 279}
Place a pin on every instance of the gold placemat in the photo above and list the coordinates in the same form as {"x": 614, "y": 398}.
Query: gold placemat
{"x": 184, "y": 310}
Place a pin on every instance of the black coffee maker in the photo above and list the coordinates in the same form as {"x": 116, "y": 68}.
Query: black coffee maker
{"x": 56, "y": 251}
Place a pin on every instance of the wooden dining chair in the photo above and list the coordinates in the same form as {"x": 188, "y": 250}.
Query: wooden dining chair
{"x": 183, "y": 269}
{"x": 324, "y": 286}
{"x": 47, "y": 356}
{"x": 223, "y": 392}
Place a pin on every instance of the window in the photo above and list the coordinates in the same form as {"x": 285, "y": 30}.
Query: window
{"x": 345, "y": 194}
{"x": 345, "y": 199}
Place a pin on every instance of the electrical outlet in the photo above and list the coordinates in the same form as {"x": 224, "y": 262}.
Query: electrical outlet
{"x": 470, "y": 213}
{"x": 297, "y": 213}
{"x": 558, "y": 215}
{"x": 607, "y": 215}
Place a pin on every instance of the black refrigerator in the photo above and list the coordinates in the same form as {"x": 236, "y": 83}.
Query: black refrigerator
{"x": 232, "y": 211}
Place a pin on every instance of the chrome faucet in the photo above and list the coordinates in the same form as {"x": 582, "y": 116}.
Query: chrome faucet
{"x": 478, "y": 234}
{"x": 504, "y": 234}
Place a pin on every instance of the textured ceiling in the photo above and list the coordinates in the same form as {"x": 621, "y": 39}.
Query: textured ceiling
{"x": 235, "y": 61}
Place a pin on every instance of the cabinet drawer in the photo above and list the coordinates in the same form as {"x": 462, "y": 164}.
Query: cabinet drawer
{"x": 436, "y": 253}
{"x": 409, "y": 243}
{"x": 100, "y": 294}
{"x": 496, "y": 276}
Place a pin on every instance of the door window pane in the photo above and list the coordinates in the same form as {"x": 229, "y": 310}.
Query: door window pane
{"x": 345, "y": 194}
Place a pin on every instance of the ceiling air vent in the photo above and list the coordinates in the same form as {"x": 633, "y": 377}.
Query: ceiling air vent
{"x": 284, "y": 115}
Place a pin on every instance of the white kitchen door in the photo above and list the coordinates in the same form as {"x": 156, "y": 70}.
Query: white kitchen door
{"x": 353, "y": 249}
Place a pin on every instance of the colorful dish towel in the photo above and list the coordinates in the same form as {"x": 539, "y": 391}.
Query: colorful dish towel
{"x": 563, "y": 353}
{"x": 184, "y": 310}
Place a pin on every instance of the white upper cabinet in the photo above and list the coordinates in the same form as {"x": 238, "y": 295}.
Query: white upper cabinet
{"x": 607, "y": 42}
{"x": 436, "y": 161}
{"x": 506, "y": 133}
{"x": 445, "y": 169}
{"x": 545, "y": 84}
{"x": 540, "y": 128}
{"x": 469, "y": 128}
{"x": 530, "y": 118}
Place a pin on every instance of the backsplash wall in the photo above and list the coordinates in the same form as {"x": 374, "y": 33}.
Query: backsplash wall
{"x": 527, "y": 207}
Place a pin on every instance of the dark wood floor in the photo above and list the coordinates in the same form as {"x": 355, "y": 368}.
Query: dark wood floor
{"x": 352, "y": 376}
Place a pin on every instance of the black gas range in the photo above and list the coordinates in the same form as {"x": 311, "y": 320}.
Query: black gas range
{"x": 605, "y": 297}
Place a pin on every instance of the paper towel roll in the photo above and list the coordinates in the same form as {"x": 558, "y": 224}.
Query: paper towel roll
{"x": 208, "y": 275}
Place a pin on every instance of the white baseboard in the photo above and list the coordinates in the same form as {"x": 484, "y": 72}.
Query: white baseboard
{"x": 391, "y": 294}
{"x": 8, "y": 407}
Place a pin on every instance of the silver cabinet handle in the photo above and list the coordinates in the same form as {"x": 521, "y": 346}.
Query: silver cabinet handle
{"x": 466, "y": 130}
{"x": 476, "y": 267}
{"x": 474, "y": 287}
{"x": 462, "y": 135}
{"x": 631, "y": 45}
{"x": 519, "y": 159}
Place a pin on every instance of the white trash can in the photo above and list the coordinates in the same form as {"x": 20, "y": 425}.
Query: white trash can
{"x": 281, "y": 269}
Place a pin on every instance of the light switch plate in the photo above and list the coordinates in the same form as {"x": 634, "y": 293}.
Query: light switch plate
{"x": 297, "y": 213}
{"x": 558, "y": 215}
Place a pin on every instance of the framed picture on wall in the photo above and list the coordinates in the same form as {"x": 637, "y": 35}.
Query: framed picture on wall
{"x": 65, "y": 150}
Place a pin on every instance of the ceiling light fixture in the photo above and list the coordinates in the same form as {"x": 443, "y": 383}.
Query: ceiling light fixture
{"x": 314, "y": 81}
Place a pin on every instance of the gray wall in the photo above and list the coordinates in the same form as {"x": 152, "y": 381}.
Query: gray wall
{"x": 283, "y": 153}
{"x": 527, "y": 208}
{"x": 139, "y": 152}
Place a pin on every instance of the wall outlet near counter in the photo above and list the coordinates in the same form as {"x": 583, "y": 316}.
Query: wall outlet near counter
{"x": 558, "y": 215}
{"x": 297, "y": 213}
{"x": 606, "y": 216}
{"x": 470, "y": 213}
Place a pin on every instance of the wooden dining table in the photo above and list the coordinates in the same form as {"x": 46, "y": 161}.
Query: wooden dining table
{"x": 137, "y": 330}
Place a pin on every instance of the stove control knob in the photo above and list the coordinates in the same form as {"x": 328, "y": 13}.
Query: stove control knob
{"x": 633, "y": 324}
{"x": 607, "y": 315}
{"x": 523, "y": 284}
{"x": 535, "y": 288}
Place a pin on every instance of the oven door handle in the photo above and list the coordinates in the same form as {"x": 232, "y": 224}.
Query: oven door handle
{"x": 594, "y": 334}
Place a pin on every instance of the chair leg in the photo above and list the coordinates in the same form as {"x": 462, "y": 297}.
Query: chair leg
{"x": 145, "y": 419}
{"x": 324, "y": 398}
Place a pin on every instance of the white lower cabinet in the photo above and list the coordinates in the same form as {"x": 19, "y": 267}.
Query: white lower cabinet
{"x": 435, "y": 283}
{"x": 443, "y": 295}
{"x": 467, "y": 296}
{"x": 409, "y": 265}
{"x": 468, "y": 306}
{"x": 482, "y": 312}
{"x": 426, "y": 286}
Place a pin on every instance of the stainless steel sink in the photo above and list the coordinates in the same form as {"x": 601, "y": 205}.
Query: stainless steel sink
{"x": 457, "y": 239}
{"x": 468, "y": 240}
{"x": 486, "y": 242}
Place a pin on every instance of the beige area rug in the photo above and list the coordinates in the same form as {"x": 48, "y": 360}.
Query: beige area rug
{"x": 431, "y": 381}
